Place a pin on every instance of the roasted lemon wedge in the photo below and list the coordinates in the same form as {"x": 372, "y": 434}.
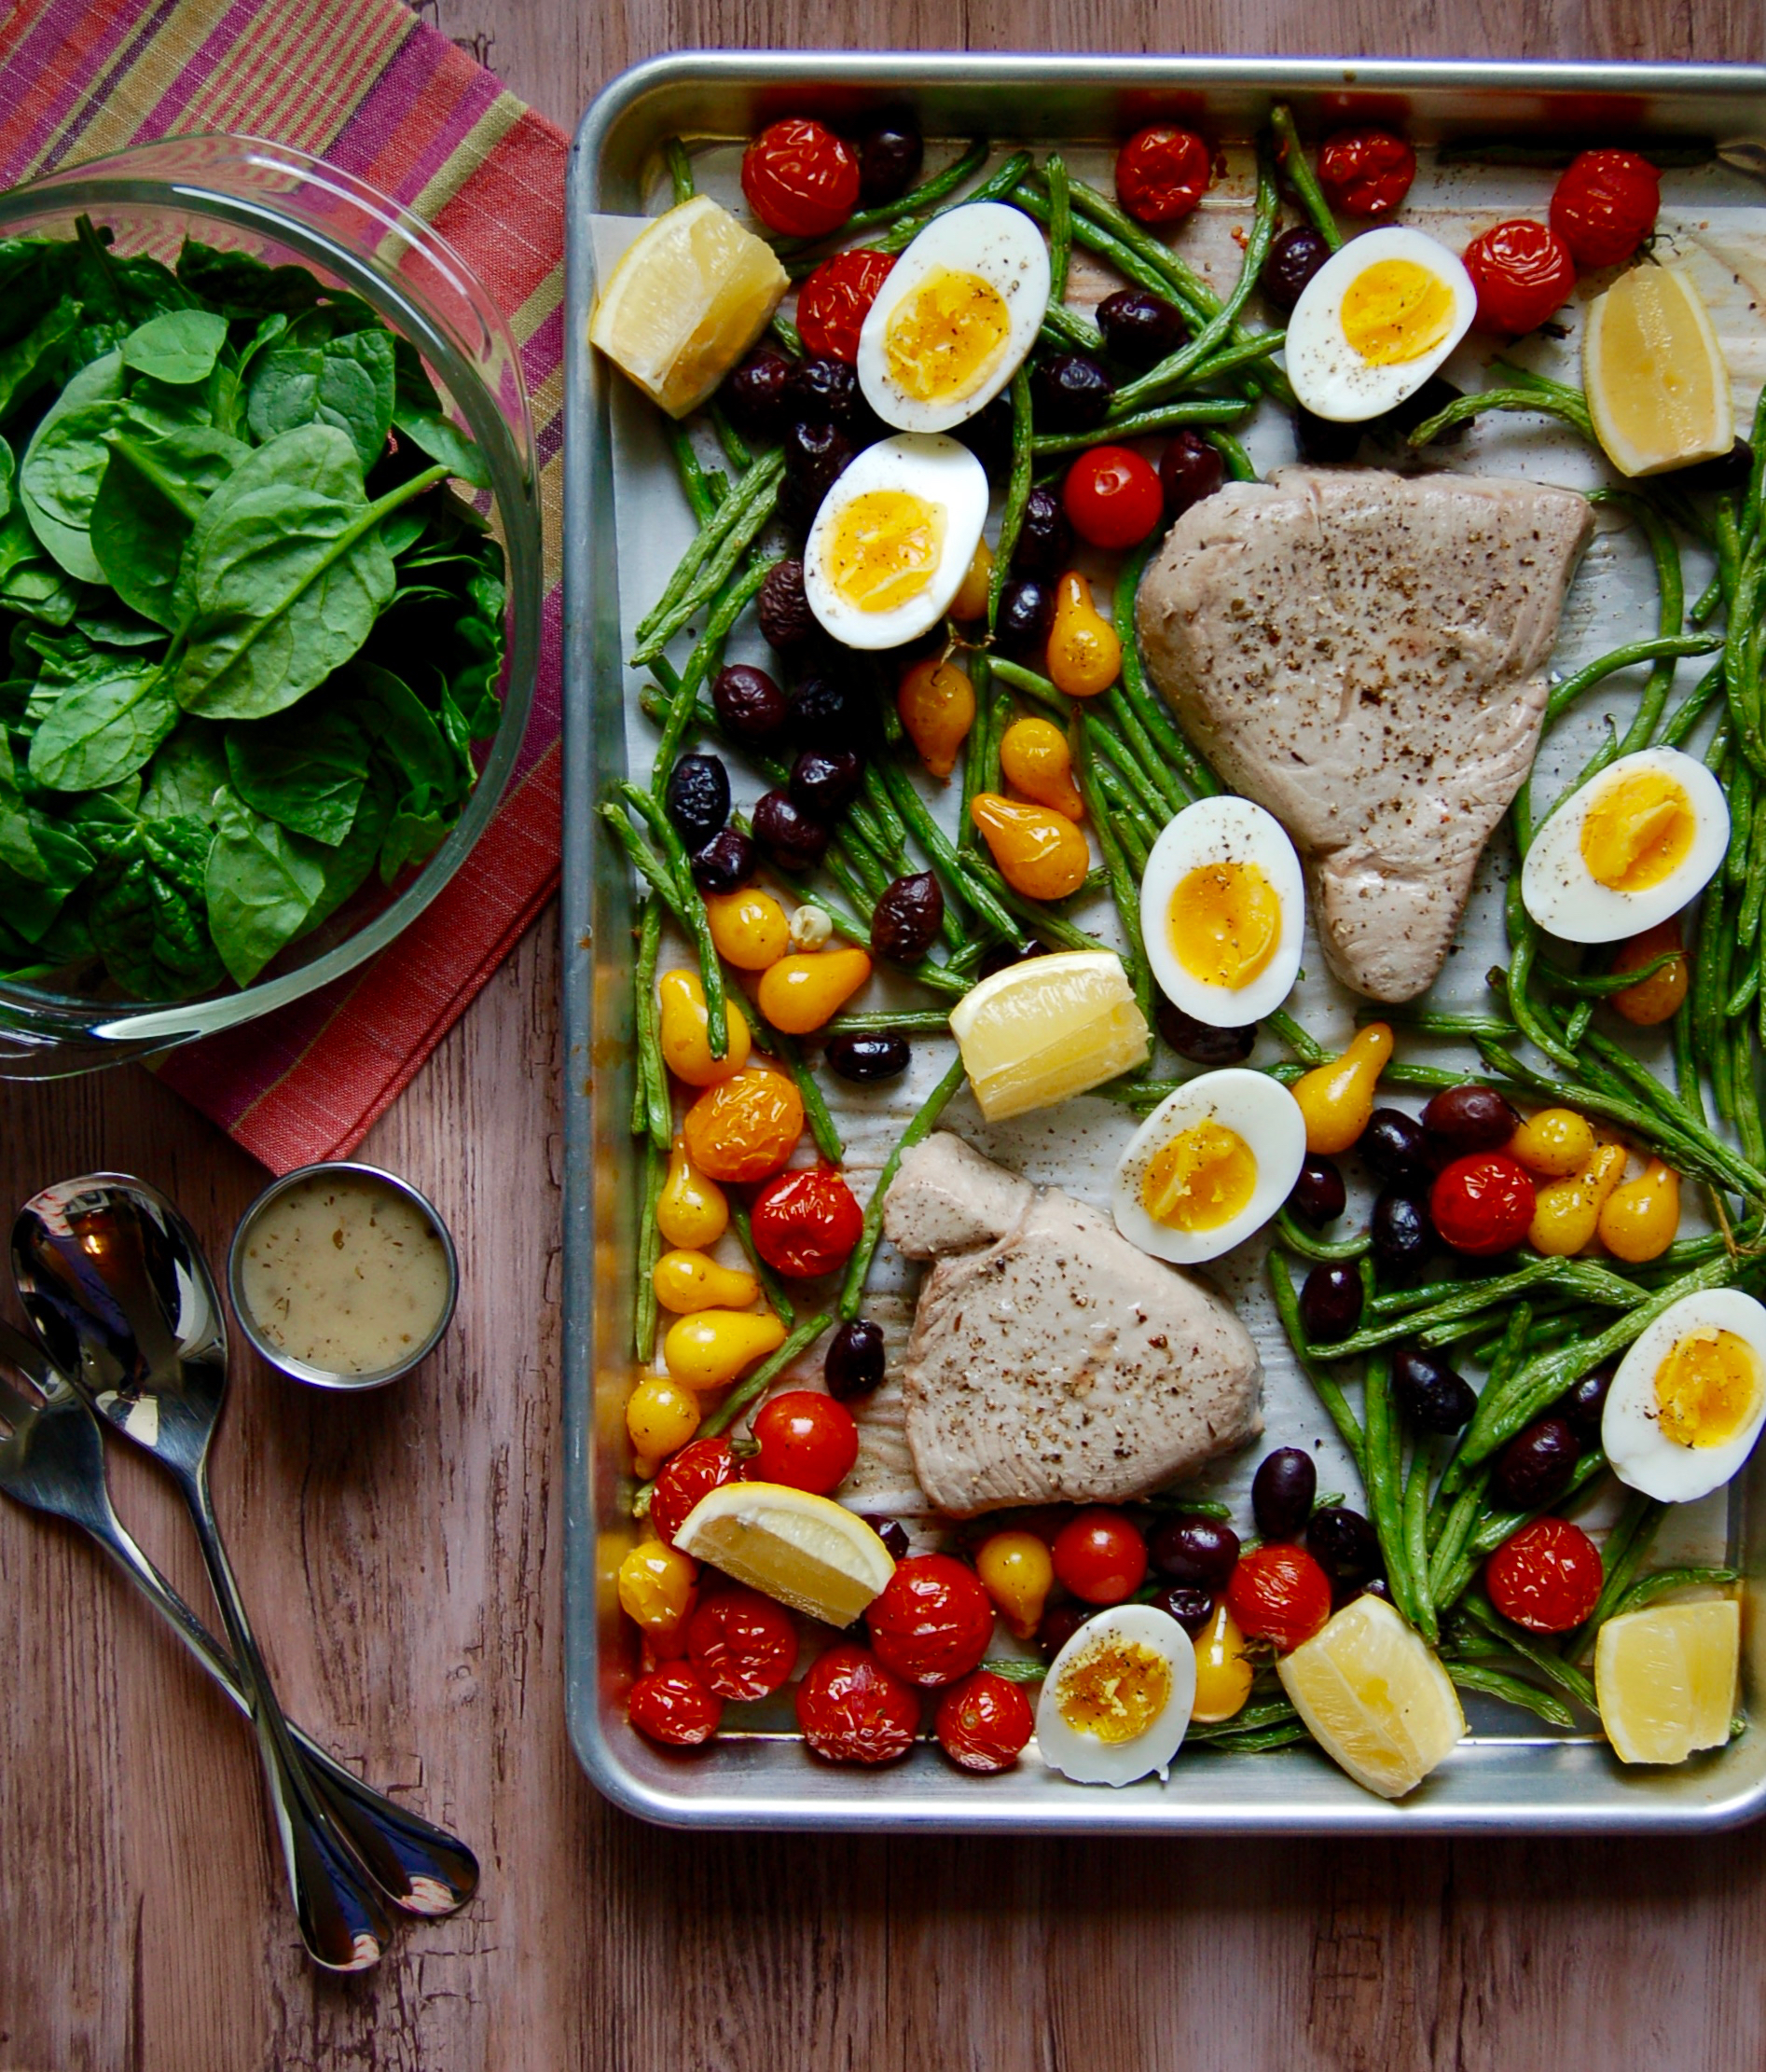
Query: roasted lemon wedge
{"x": 806, "y": 1551}
{"x": 1040, "y": 1032}
{"x": 1375, "y": 1697}
{"x": 1658, "y": 387}
{"x": 1666, "y": 1679}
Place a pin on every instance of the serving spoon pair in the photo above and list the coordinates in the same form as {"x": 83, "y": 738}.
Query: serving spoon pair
{"x": 132, "y": 1336}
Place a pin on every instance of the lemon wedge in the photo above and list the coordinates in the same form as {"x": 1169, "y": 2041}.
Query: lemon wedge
{"x": 1042, "y": 1032}
{"x": 1666, "y": 1678}
{"x": 690, "y": 294}
{"x": 1658, "y": 387}
{"x": 1375, "y": 1697}
{"x": 806, "y": 1551}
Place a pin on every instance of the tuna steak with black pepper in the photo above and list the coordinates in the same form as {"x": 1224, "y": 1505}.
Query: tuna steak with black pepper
{"x": 1052, "y": 1362}
{"x": 1363, "y": 653}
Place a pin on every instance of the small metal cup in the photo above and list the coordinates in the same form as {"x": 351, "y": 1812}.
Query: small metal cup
{"x": 298, "y": 1370}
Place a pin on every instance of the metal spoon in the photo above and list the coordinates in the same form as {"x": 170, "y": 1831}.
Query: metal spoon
{"x": 114, "y": 1280}
{"x": 53, "y": 1461}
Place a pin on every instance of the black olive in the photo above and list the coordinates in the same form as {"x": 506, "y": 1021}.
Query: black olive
{"x": 816, "y": 455}
{"x": 1071, "y": 392}
{"x": 822, "y": 779}
{"x": 697, "y": 798}
{"x": 1189, "y": 470}
{"x": 1323, "y": 441}
{"x": 755, "y": 395}
{"x": 1430, "y": 1393}
{"x": 1058, "y": 1626}
{"x": 825, "y": 391}
{"x": 987, "y": 434}
{"x": 1027, "y": 612}
{"x": 1200, "y": 1552}
{"x": 1141, "y": 328}
{"x": 1581, "y": 1407}
{"x": 1331, "y": 1302}
{"x": 867, "y": 1060}
{"x": 894, "y": 1537}
{"x": 1535, "y": 1467}
{"x": 726, "y": 861}
{"x": 1404, "y": 1236}
{"x": 1191, "y": 1608}
{"x": 906, "y": 922}
{"x": 786, "y": 621}
{"x": 1471, "y": 1118}
{"x": 1002, "y": 956}
{"x": 1319, "y": 1197}
{"x": 1294, "y": 256}
{"x": 1200, "y": 1042}
{"x": 1396, "y": 1146}
{"x": 828, "y": 711}
{"x": 853, "y": 1364}
{"x": 1343, "y": 1543}
{"x": 791, "y": 838}
{"x": 1045, "y": 539}
{"x": 750, "y": 704}
{"x": 889, "y": 157}
{"x": 1401, "y": 419}
{"x": 1282, "y": 1490}
{"x": 1729, "y": 471}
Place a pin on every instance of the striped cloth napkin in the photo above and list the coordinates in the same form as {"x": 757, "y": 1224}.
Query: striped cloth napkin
{"x": 375, "y": 90}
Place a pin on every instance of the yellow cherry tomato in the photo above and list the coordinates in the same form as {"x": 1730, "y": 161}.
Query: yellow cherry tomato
{"x": 660, "y": 1416}
{"x": 971, "y": 600}
{"x": 750, "y": 928}
{"x": 691, "y": 1210}
{"x": 1638, "y": 1220}
{"x": 1040, "y": 853}
{"x": 1034, "y": 756}
{"x": 800, "y": 993}
{"x": 711, "y": 1347}
{"x": 1556, "y": 1144}
{"x": 745, "y": 1128}
{"x": 688, "y": 1281}
{"x": 1655, "y": 999}
{"x": 1565, "y": 1212}
{"x": 1336, "y": 1099}
{"x": 657, "y": 1587}
{"x": 1222, "y": 1674}
{"x": 1018, "y": 1573}
{"x": 937, "y": 705}
{"x": 1084, "y": 655}
{"x": 686, "y": 1047}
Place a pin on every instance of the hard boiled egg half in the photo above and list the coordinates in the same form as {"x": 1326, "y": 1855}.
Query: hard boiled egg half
{"x": 956, "y": 318}
{"x": 1116, "y": 1702}
{"x": 894, "y": 538}
{"x": 1629, "y": 849}
{"x": 1690, "y": 1397}
{"x": 1375, "y": 322}
{"x": 1223, "y": 911}
{"x": 1211, "y": 1163}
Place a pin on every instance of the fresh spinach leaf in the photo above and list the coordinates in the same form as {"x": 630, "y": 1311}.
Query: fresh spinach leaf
{"x": 147, "y": 914}
{"x": 179, "y": 347}
{"x": 40, "y": 592}
{"x": 27, "y": 361}
{"x": 103, "y": 726}
{"x": 434, "y": 432}
{"x": 241, "y": 286}
{"x": 187, "y": 773}
{"x": 307, "y": 774}
{"x": 347, "y": 382}
{"x": 148, "y": 500}
{"x": 117, "y": 627}
{"x": 349, "y": 864}
{"x": 70, "y": 545}
{"x": 18, "y": 851}
{"x": 262, "y": 883}
{"x": 410, "y": 739}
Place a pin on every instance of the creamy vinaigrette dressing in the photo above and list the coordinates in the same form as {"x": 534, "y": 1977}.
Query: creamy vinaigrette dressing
{"x": 344, "y": 1274}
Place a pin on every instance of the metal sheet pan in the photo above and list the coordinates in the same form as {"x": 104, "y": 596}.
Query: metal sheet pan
{"x": 1499, "y": 1781}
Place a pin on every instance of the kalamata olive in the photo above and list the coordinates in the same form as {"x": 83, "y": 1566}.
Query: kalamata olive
{"x": 868, "y": 1060}
{"x": 1199, "y": 1551}
{"x": 1294, "y": 256}
{"x": 827, "y": 709}
{"x": 1282, "y": 1490}
{"x": 696, "y": 798}
{"x": 893, "y": 1534}
{"x": 1535, "y": 1466}
{"x": 755, "y": 396}
{"x": 1027, "y": 612}
{"x": 1189, "y": 470}
{"x": 1396, "y": 425}
{"x": 748, "y": 701}
{"x": 822, "y": 779}
{"x": 1002, "y": 956}
{"x": 1343, "y": 1543}
{"x": 1191, "y": 1608}
{"x": 853, "y": 1364}
{"x": 791, "y": 838}
{"x": 1430, "y": 1393}
{"x": 786, "y": 621}
{"x": 1319, "y": 1197}
{"x": 726, "y": 861}
{"x": 1045, "y": 539}
{"x": 1404, "y": 1236}
{"x": 987, "y": 434}
{"x": 1199, "y": 1042}
{"x": 1729, "y": 471}
{"x": 1582, "y": 1405}
{"x": 906, "y": 921}
{"x": 1471, "y": 1118}
{"x": 1377, "y": 1586}
{"x": 1396, "y": 1146}
{"x": 825, "y": 391}
{"x": 1323, "y": 441}
{"x": 1058, "y": 1626}
{"x": 889, "y": 157}
{"x": 1141, "y": 328}
{"x": 1331, "y": 1302}
{"x": 1071, "y": 392}
{"x": 815, "y": 457}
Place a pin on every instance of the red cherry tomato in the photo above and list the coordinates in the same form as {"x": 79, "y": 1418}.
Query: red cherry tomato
{"x": 1522, "y": 272}
{"x": 984, "y": 1723}
{"x": 853, "y": 1709}
{"x": 671, "y": 1705}
{"x": 1100, "y": 1555}
{"x": 1111, "y": 497}
{"x": 932, "y": 1621}
{"x": 1547, "y": 1578}
{"x": 701, "y": 1466}
{"x": 1280, "y": 1593}
{"x": 806, "y": 1441}
{"x": 1162, "y": 173}
{"x": 1365, "y": 172}
{"x": 800, "y": 179}
{"x": 1605, "y": 206}
{"x": 834, "y": 301}
{"x": 1483, "y": 1203}
{"x": 743, "y": 1645}
{"x": 806, "y": 1223}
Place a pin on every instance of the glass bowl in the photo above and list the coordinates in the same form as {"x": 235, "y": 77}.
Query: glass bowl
{"x": 284, "y": 206}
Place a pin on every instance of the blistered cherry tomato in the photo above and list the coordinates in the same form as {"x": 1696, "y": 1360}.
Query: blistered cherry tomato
{"x": 853, "y": 1709}
{"x": 1547, "y": 1578}
{"x": 932, "y": 1621}
{"x": 1605, "y": 206}
{"x": 984, "y": 1723}
{"x": 1280, "y": 1593}
{"x": 806, "y": 1223}
{"x": 1522, "y": 272}
{"x": 701, "y": 1466}
{"x": 1365, "y": 172}
{"x": 834, "y": 301}
{"x": 1100, "y": 1555}
{"x": 1162, "y": 173}
{"x": 800, "y": 179}
{"x": 743, "y": 1645}
{"x": 806, "y": 1441}
{"x": 1112, "y": 497}
{"x": 672, "y": 1705}
{"x": 1484, "y": 1203}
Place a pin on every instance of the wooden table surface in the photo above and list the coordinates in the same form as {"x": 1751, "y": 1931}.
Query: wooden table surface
{"x": 405, "y": 1557}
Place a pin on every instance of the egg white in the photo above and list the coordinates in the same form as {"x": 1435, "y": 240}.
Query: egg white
{"x": 1083, "y": 1758}
{"x": 1558, "y": 889}
{"x": 925, "y": 466}
{"x": 1631, "y": 1435}
{"x": 1256, "y": 1108}
{"x": 1223, "y": 830}
{"x": 1329, "y": 376}
{"x": 1000, "y": 246}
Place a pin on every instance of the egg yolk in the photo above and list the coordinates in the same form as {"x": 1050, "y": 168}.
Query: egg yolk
{"x": 1707, "y": 1389}
{"x": 942, "y": 338}
{"x": 1396, "y": 311}
{"x": 1114, "y": 1691}
{"x": 1202, "y": 1179}
{"x": 1638, "y": 832}
{"x": 884, "y": 548}
{"x": 1225, "y": 923}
